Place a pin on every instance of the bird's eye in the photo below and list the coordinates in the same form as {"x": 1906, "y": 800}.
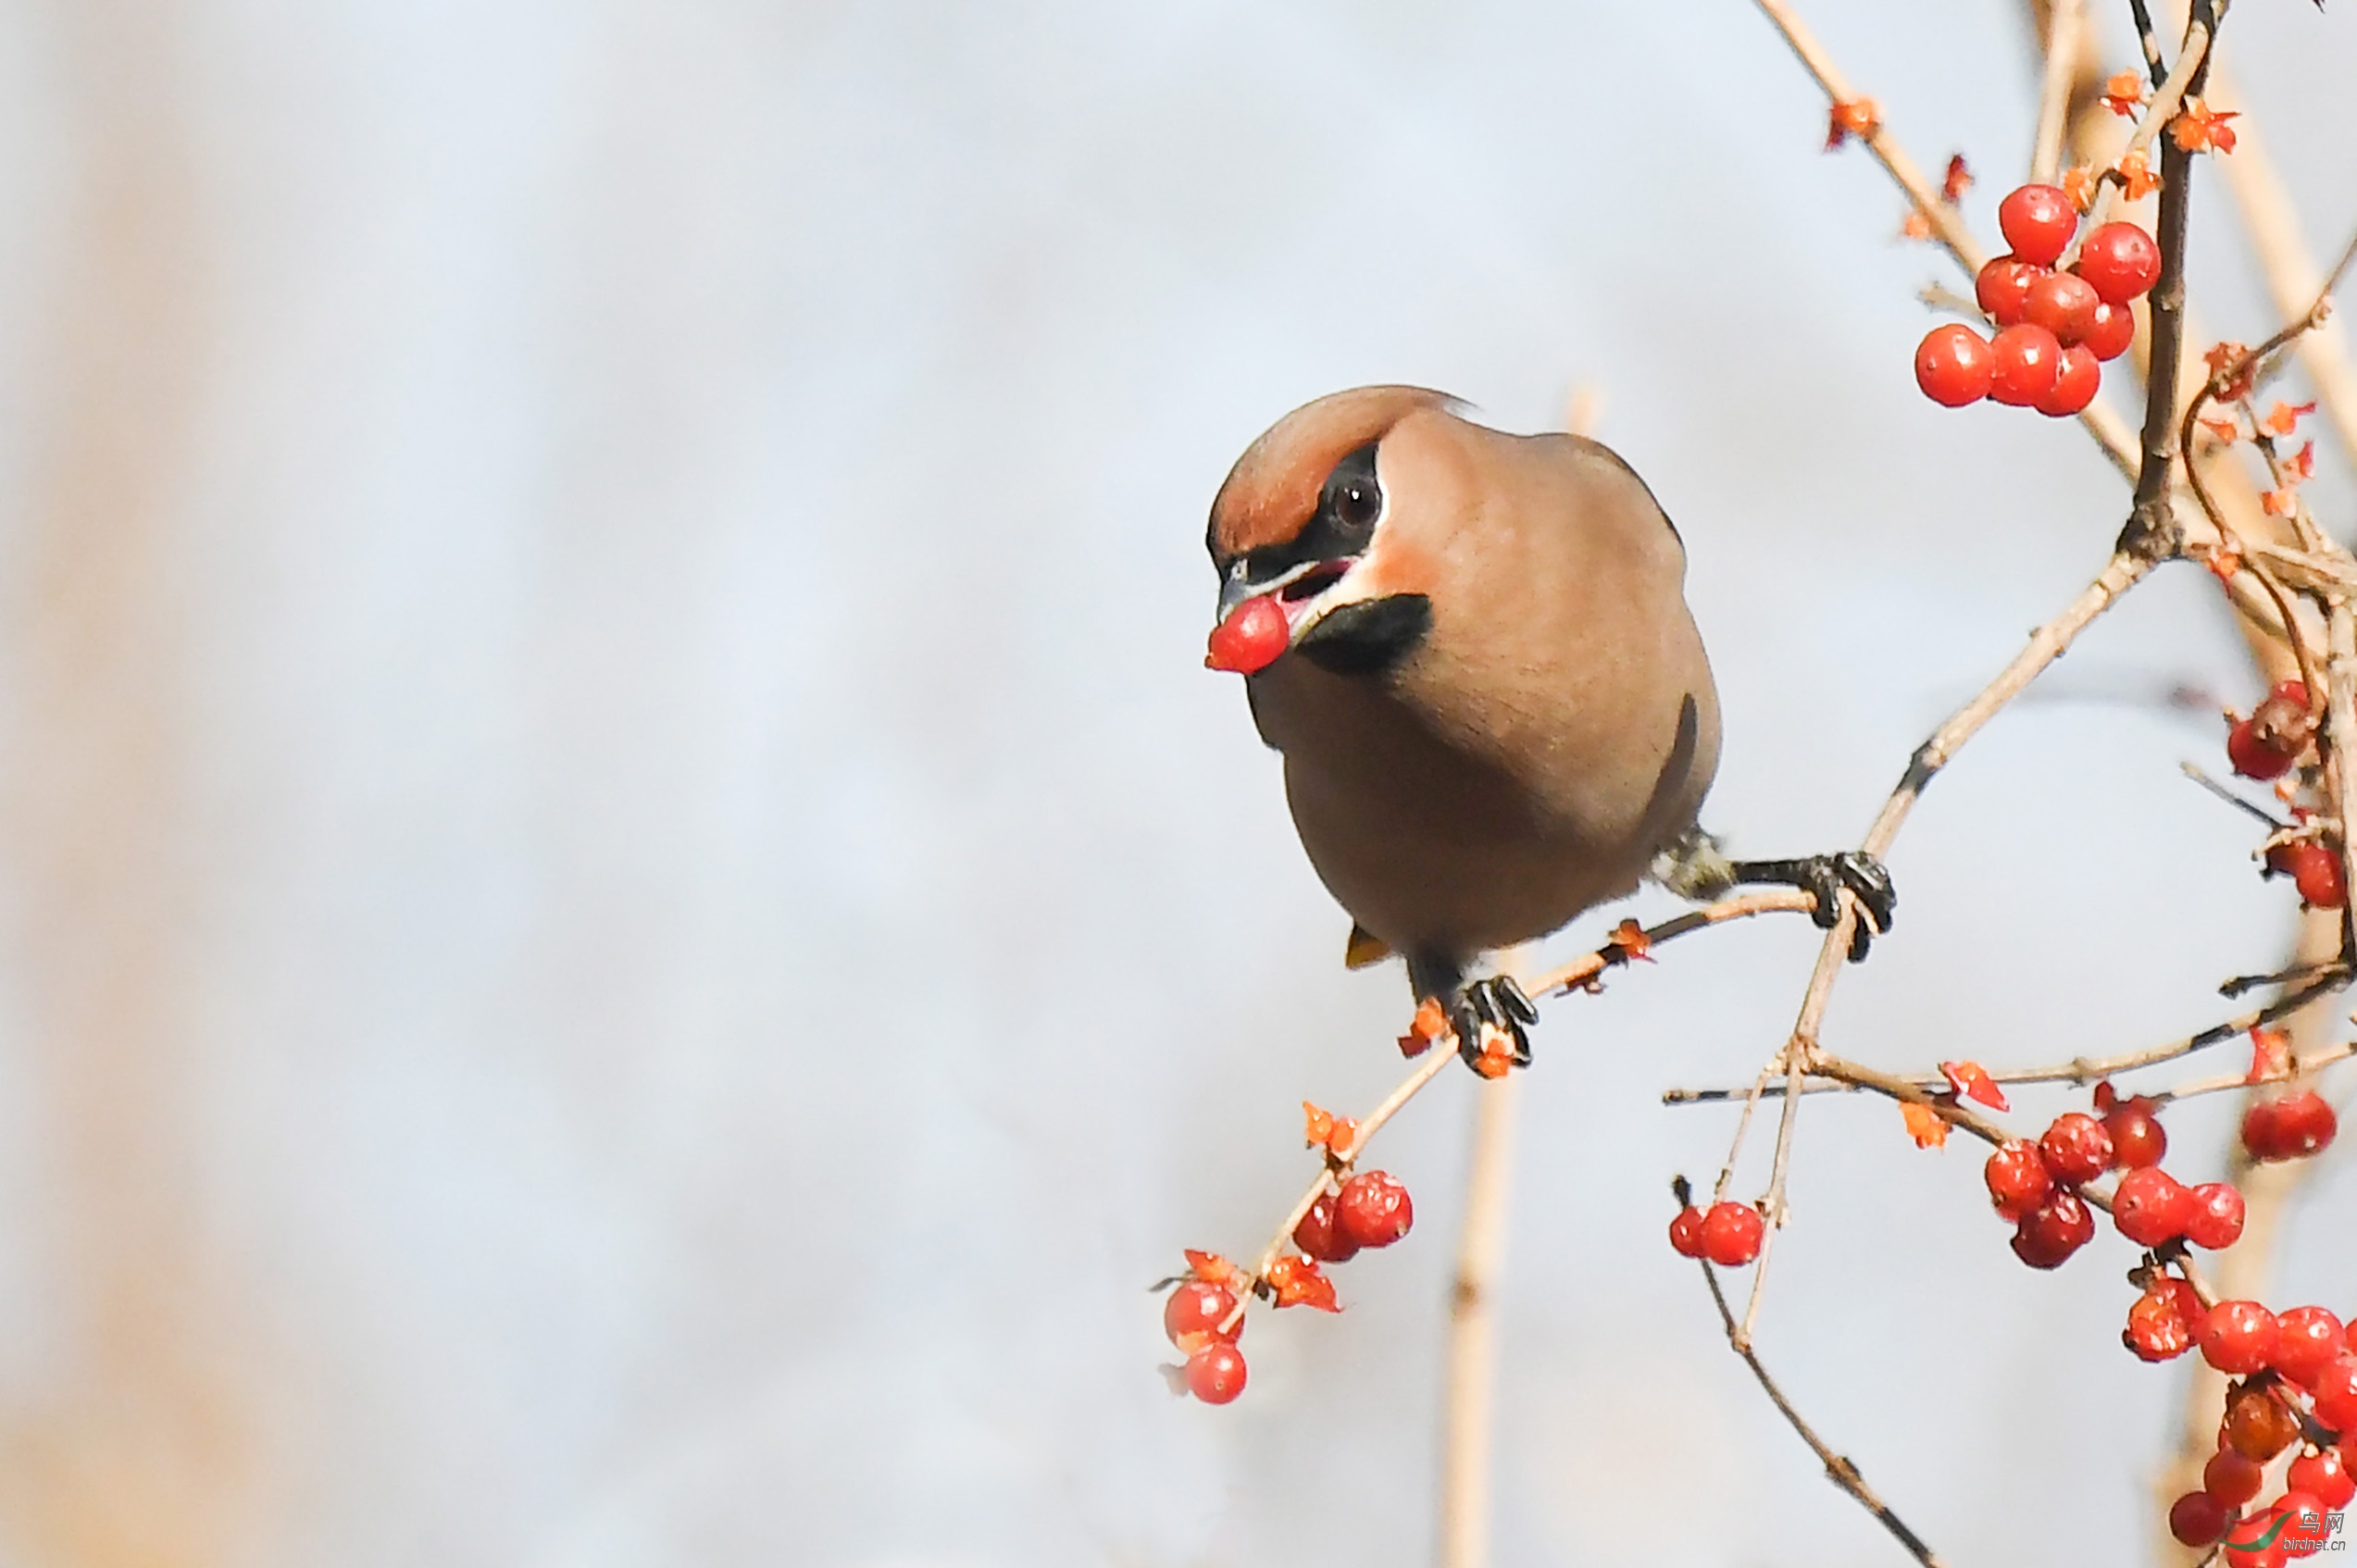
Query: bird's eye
{"x": 1354, "y": 500}
{"x": 1357, "y": 505}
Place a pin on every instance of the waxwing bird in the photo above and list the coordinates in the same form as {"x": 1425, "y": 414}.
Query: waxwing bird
{"x": 1474, "y": 652}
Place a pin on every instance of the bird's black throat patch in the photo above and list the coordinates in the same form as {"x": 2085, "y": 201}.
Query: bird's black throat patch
{"x": 1368, "y": 637}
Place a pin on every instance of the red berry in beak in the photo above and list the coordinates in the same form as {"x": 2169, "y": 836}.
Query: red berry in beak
{"x": 1249, "y": 639}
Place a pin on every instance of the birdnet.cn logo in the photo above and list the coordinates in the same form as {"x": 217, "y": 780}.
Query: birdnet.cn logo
{"x": 2303, "y": 1529}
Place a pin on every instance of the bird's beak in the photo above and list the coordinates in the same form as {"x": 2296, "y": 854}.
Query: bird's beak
{"x": 1302, "y": 592}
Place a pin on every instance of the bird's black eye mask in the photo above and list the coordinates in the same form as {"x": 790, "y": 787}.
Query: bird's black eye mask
{"x": 1348, "y": 505}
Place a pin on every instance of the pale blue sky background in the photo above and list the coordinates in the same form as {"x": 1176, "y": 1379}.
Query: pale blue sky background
{"x": 713, "y": 935}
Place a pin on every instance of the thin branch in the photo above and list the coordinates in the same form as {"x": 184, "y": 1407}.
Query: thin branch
{"x": 2066, "y": 26}
{"x": 2081, "y": 1070}
{"x": 1473, "y": 1350}
{"x": 1838, "y": 1469}
{"x": 2166, "y": 302}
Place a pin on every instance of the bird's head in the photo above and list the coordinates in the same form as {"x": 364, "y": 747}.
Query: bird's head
{"x": 1298, "y": 535}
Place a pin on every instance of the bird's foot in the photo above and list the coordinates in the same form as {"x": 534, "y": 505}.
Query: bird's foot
{"x": 1493, "y": 1008}
{"x": 1822, "y": 877}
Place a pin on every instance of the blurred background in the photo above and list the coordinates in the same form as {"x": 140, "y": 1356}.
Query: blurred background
{"x": 629, "y": 929}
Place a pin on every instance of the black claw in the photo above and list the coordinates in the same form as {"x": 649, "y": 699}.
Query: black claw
{"x": 1822, "y": 877}
{"x": 1500, "y": 1003}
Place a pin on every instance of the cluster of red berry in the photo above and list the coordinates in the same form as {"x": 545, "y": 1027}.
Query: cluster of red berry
{"x": 2295, "y": 1392}
{"x": 1728, "y": 1234}
{"x": 2054, "y": 327}
{"x": 1204, "y": 1316}
{"x": 2298, "y": 1370}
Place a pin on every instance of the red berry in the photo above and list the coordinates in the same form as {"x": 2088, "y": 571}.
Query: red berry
{"x": 2324, "y": 1476}
{"x": 2157, "y": 1329}
{"x": 2231, "y": 1478}
{"x": 2335, "y": 1390}
{"x": 1216, "y": 1374}
{"x": 1731, "y": 1233}
{"x": 2075, "y": 1148}
{"x": 2305, "y": 1527}
{"x": 2291, "y": 1128}
{"x": 2064, "y": 303}
{"x": 1373, "y": 1209}
{"x": 2018, "y": 1180}
{"x": 2197, "y": 1518}
{"x": 2307, "y": 1341}
{"x": 2236, "y": 1337}
{"x": 2150, "y": 1206}
{"x": 2314, "y": 870}
{"x": 1195, "y": 1313}
{"x": 2251, "y": 754}
{"x": 2121, "y": 261}
{"x": 1251, "y": 637}
{"x": 1686, "y": 1232}
{"x": 2002, "y": 288}
{"x": 1320, "y": 1234}
{"x": 1952, "y": 365}
{"x": 2217, "y": 1215}
{"x": 2110, "y": 330}
{"x": 2076, "y": 384}
{"x": 2038, "y": 221}
{"x": 2256, "y": 1541}
{"x": 2137, "y": 1138}
{"x": 2025, "y": 362}
{"x": 2051, "y": 1232}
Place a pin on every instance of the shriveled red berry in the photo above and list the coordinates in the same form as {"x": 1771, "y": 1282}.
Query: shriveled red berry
{"x": 2322, "y": 1474}
{"x": 2150, "y": 1206}
{"x": 2198, "y": 1519}
{"x": 2121, "y": 261}
{"x": 1953, "y": 366}
{"x": 2049, "y": 1234}
{"x": 2231, "y": 1478}
{"x": 2157, "y": 1329}
{"x": 2317, "y": 874}
{"x": 2306, "y": 1528}
{"x": 2236, "y": 1337}
{"x": 2307, "y": 1341}
{"x": 1196, "y": 1310}
{"x": 1216, "y": 1374}
{"x": 1373, "y": 1209}
{"x": 1731, "y": 1233}
{"x": 2252, "y": 756}
{"x": 1320, "y": 1234}
{"x": 2334, "y": 1389}
{"x": 2289, "y": 1127}
{"x": 2076, "y": 384}
{"x": 2025, "y": 361}
{"x": 2038, "y": 221}
{"x": 2110, "y": 330}
{"x": 2002, "y": 288}
{"x": 1251, "y": 637}
{"x": 2075, "y": 1148}
{"x": 2018, "y": 1180}
{"x": 1686, "y": 1232}
{"x": 2064, "y": 303}
{"x": 2137, "y": 1138}
{"x": 2257, "y": 1425}
{"x": 2217, "y": 1215}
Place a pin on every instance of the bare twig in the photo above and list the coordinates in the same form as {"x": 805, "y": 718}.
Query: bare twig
{"x": 2065, "y": 28}
{"x": 1838, "y": 1469}
{"x": 1472, "y": 1362}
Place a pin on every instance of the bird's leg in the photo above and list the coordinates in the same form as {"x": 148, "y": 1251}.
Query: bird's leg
{"x": 1822, "y": 877}
{"x": 1696, "y": 867}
